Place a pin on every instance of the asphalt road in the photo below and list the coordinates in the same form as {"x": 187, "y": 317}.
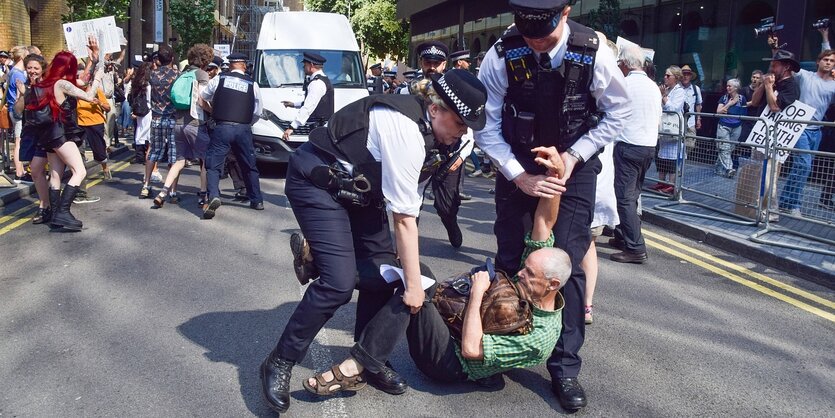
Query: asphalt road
{"x": 160, "y": 313}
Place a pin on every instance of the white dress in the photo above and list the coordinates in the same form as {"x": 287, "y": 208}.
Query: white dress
{"x": 605, "y": 202}
{"x": 143, "y": 123}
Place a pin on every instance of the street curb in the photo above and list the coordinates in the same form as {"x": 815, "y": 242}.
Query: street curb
{"x": 93, "y": 167}
{"x": 742, "y": 248}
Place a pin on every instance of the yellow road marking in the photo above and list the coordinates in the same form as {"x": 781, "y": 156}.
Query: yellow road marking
{"x": 22, "y": 211}
{"x": 733, "y": 277}
{"x": 761, "y": 277}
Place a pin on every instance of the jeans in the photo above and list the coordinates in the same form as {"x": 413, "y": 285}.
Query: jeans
{"x": 724, "y": 163}
{"x": 476, "y": 161}
{"x": 792, "y": 196}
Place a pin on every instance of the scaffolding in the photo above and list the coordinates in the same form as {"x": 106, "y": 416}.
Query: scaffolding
{"x": 249, "y": 15}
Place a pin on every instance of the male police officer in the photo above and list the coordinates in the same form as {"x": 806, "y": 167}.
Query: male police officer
{"x": 388, "y": 80}
{"x": 317, "y": 106}
{"x": 460, "y": 59}
{"x": 549, "y": 85}
{"x": 236, "y": 105}
{"x": 376, "y": 85}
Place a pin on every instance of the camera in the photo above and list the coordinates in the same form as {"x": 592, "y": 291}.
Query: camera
{"x": 821, "y": 23}
{"x": 767, "y": 27}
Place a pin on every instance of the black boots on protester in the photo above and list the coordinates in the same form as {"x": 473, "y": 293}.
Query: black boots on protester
{"x": 275, "y": 382}
{"x": 61, "y": 216}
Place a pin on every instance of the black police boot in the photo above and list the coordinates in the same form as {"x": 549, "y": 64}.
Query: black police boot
{"x": 275, "y": 382}
{"x": 453, "y": 231}
{"x": 388, "y": 381}
{"x": 61, "y": 216}
{"x": 569, "y": 392}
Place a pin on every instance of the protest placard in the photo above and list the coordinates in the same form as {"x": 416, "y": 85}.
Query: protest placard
{"x": 786, "y": 135}
{"x": 223, "y": 50}
{"x": 104, "y": 29}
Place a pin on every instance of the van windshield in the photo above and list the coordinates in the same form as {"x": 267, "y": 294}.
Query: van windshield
{"x": 284, "y": 68}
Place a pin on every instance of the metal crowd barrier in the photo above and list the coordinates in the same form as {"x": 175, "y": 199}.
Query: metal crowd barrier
{"x": 734, "y": 195}
{"x": 812, "y": 209}
{"x": 652, "y": 173}
{"x": 5, "y": 156}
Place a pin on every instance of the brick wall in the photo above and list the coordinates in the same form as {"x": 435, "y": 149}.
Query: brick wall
{"x": 20, "y": 25}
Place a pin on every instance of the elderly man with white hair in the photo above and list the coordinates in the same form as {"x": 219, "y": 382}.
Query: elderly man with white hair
{"x": 634, "y": 151}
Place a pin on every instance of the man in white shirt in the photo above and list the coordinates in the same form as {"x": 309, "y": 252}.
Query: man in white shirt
{"x": 542, "y": 43}
{"x": 634, "y": 151}
{"x": 317, "y": 106}
{"x": 693, "y": 98}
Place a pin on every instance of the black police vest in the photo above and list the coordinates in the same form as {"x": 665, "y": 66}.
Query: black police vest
{"x": 347, "y": 137}
{"x": 324, "y": 110}
{"x": 543, "y": 106}
{"x": 234, "y": 99}
{"x": 376, "y": 86}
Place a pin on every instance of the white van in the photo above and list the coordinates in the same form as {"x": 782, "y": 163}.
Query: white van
{"x": 284, "y": 37}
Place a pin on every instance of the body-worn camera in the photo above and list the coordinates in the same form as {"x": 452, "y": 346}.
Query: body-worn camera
{"x": 821, "y": 23}
{"x": 766, "y": 27}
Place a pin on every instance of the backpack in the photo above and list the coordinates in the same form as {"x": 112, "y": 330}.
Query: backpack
{"x": 181, "y": 90}
{"x": 139, "y": 103}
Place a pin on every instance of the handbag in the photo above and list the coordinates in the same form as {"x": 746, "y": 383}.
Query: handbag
{"x": 670, "y": 124}
{"x": 119, "y": 93}
{"x": 139, "y": 104}
{"x": 504, "y": 308}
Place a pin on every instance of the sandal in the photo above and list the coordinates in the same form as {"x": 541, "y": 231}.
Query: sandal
{"x": 339, "y": 383}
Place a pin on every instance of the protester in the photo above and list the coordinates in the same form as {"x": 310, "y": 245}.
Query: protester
{"x": 163, "y": 148}
{"x": 17, "y": 75}
{"x": 92, "y": 118}
{"x": 35, "y": 66}
{"x": 140, "y": 104}
{"x": 729, "y": 129}
{"x": 693, "y": 98}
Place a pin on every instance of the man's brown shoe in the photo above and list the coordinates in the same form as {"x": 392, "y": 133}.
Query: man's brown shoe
{"x": 302, "y": 259}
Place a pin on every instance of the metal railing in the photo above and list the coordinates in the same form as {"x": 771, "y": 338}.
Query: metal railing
{"x": 797, "y": 197}
{"x": 653, "y": 173}
{"x": 734, "y": 193}
{"x": 5, "y": 156}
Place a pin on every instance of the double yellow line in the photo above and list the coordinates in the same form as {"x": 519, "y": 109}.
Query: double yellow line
{"x": 796, "y": 297}
{"x": 23, "y": 215}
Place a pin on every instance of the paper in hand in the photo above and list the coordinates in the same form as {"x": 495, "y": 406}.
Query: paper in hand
{"x": 391, "y": 273}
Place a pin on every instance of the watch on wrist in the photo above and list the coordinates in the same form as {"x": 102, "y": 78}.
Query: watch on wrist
{"x": 575, "y": 154}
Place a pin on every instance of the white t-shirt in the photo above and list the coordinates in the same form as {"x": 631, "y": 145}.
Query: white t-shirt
{"x": 693, "y": 97}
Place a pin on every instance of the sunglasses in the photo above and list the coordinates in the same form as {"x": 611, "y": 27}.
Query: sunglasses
{"x": 667, "y": 75}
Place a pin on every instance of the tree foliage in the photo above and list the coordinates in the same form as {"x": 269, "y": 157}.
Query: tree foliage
{"x": 193, "y": 20}
{"x": 606, "y": 18}
{"x": 92, "y": 9}
{"x": 375, "y": 23}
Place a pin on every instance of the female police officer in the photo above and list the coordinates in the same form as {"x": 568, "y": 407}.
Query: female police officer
{"x": 370, "y": 157}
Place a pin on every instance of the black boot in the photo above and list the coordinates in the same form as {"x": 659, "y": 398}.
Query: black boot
{"x": 139, "y": 155}
{"x": 275, "y": 382}
{"x": 61, "y": 216}
{"x": 54, "y": 197}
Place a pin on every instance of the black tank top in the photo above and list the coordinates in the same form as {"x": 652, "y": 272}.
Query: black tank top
{"x": 69, "y": 118}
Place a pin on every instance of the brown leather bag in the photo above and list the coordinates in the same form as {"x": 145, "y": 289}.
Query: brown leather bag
{"x": 505, "y": 308}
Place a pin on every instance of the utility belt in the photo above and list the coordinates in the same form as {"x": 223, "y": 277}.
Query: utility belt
{"x": 519, "y": 129}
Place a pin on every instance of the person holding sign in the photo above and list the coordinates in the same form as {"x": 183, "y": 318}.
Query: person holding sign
{"x": 817, "y": 89}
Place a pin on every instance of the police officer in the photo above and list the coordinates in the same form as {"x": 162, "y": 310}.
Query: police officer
{"x": 236, "y": 105}
{"x": 531, "y": 103}
{"x": 446, "y": 190}
{"x": 460, "y": 59}
{"x": 317, "y": 106}
{"x": 340, "y": 183}
{"x": 376, "y": 84}
{"x": 388, "y": 80}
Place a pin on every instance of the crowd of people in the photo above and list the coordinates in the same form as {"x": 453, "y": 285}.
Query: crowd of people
{"x": 569, "y": 162}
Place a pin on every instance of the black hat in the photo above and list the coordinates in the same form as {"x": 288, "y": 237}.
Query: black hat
{"x": 136, "y": 63}
{"x": 377, "y": 65}
{"x": 410, "y": 74}
{"x": 390, "y": 73}
{"x": 787, "y": 57}
{"x": 464, "y": 94}
{"x": 537, "y": 18}
{"x": 433, "y": 50}
{"x": 237, "y": 57}
{"x": 216, "y": 62}
{"x": 314, "y": 58}
{"x": 460, "y": 55}
{"x": 4, "y": 54}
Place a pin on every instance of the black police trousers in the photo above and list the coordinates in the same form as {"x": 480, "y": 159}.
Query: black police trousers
{"x": 344, "y": 239}
{"x": 514, "y": 217}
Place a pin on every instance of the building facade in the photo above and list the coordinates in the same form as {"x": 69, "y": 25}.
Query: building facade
{"x": 32, "y": 22}
{"x": 715, "y": 37}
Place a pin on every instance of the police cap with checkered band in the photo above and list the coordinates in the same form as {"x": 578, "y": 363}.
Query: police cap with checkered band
{"x": 464, "y": 94}
{"x": 537, "y": 18}
{"x": 433, "y": 50}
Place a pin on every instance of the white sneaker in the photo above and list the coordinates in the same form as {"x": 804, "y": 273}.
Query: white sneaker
{"x": 156, "y": 177}
{"x": 796, "y": 212}
{"x": 476, "y": 173}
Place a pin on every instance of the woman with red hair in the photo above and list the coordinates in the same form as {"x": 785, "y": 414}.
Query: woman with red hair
{"x": 57, "y": 95}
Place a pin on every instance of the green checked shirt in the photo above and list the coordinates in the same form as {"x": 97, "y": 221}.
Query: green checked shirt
{"x": 505, "y": 352}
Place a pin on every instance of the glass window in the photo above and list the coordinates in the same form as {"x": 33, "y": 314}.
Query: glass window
{"x": 284, "y": 68}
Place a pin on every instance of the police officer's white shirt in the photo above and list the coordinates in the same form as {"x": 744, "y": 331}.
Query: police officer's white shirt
{"x": 608, "y": 88}
{"x": 396, "y": 142}
{"x": 208, "y": 94}
{"x": 642, "y": 127}
{"x": 315, "y": 91}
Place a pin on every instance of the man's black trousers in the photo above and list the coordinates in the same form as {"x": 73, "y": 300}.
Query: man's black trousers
{"x": 514, "y": 217}
{"x": 343, "y": 238}
{"x": 631, "y": 164}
